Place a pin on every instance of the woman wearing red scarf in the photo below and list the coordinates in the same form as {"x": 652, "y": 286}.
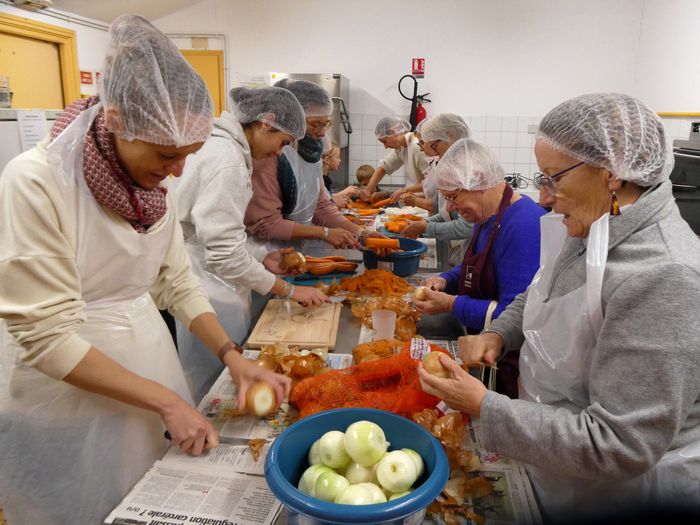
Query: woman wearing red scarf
{"x": 90, "y": 248}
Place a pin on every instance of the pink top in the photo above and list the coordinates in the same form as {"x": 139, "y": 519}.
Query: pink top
{"x": 264, "y": 219}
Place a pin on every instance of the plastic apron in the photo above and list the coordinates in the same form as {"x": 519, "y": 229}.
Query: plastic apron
{"x": 560, "y": 335}
{"x": 307, "y": 176}
{"x": 68, "y": 455}
{"x": 233, "y": 306}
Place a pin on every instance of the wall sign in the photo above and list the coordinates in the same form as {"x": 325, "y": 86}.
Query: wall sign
{"x": 418, "y": 67}
{"x": 86, "y": 77}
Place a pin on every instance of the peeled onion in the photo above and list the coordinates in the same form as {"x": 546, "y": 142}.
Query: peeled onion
{"x": 293, "y": 262}
{"x": 261, "y": 399}
{"x": 397, "y": 471}
{"x": 421, "y": 293}
{"x": 365, "y": 442}
{"x": 331, "y": 449}
{"x": 432, "y": 364}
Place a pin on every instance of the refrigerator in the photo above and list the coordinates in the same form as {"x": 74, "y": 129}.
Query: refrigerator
{"x": 338, "y": 87}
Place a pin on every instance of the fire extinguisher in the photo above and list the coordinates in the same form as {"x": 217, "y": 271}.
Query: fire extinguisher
{"x": 418, "y": 112}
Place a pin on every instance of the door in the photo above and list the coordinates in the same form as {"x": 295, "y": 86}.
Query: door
{"x": 210, "y": 66}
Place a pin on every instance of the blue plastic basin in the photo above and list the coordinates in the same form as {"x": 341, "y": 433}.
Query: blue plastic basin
{"x": 403, "y": 263}
{"x": 287, "y": 460}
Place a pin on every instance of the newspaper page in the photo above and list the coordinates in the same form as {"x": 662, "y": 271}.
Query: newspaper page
{"x": 171, "y": 495}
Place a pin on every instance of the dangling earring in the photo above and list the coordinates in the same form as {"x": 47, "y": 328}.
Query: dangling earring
{"x": 614, "y": 205}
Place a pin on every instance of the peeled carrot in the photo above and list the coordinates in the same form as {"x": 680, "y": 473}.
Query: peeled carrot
{"x": 379, "y": 242}
{"x": 381, "y": 203}
{"x": 367, "y": 212}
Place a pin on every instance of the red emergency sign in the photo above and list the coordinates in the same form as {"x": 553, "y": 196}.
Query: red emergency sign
{"x": 418, "y": 67}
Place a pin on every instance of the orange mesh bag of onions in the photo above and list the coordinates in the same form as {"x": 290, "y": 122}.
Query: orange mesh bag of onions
{"x": 386, "y": 384}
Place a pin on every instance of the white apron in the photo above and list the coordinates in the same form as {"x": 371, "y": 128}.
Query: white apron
{"x": 69, "y": 456}
{"x": 560, "y": 335}
{"x": 308, "y": 176}
{"x": 233, "y": 306}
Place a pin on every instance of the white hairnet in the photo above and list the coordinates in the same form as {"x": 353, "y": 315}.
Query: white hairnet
{"x": 390, "y": 126}
{"x": 612, "y": 131}
{"x": 447, "y": 127}
{"x": 327, "y": 144}
{"x": 420, "y": 125}
{"x": 159, "y": 98}
{"x": 468, "y": 165}
{"x": 274, "y": 106}
{"x": 313, "y": 98}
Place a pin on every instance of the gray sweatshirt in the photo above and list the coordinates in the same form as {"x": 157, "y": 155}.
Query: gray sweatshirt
{"x": 644, "y": 385}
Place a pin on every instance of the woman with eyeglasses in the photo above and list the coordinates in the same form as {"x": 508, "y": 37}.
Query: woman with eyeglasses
{"x": 212, "y": 198}
{"x": 395, "y": 134}
{"x": 608, "y": 418}
{"x": 289, "y": 201}
{"x": 437, "y": 134}
{"x": 502, "y": 255}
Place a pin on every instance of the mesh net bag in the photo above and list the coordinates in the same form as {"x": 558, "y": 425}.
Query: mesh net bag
{"x": 389, "y": 384}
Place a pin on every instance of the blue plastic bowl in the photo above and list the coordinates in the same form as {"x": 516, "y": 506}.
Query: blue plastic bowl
{"x": 288, "y": 458}
{"x": 403, "y": 263}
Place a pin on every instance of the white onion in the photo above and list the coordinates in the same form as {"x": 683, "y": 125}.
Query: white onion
{"x": 329, "y": 485}
{"x": 378, "y": 495}
{"x": 365, "y": 443}
{"x": 357, "y": 473}
{"x": 314, "y": 456}
{"x": 331, "y": 449}
{"x": 399, "y": 495}
{"x": 355, "y": 495}
{"x": 309, "y": 477}
{"x": 415, "y": 456}
{"x": 397, "y": 471}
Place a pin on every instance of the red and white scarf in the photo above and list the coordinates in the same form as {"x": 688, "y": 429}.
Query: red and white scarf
{"x": 109, "y": 183}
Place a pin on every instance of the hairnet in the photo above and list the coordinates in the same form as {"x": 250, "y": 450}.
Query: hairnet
{"x": 327, "y": 144}
{"x": 468, "y": 165}
{"x": 313, "y": 98}
{"x": 274, "y": 106}
{"x": 612, "y": 131}
{"x": 159, "y": 98}
{"x": 446, "y": 127}
{"x": 390, "y": 126}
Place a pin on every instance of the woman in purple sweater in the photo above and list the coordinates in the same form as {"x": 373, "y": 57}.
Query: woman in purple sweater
{"x": 503, "y": 254}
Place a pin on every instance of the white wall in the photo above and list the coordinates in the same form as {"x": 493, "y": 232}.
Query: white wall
{"x": 91, "y": 41}
{"x": 503, "y": 57}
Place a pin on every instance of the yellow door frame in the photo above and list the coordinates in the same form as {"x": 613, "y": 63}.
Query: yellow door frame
{"x": 67, "y": 48}
{"x": 220, "y": 59}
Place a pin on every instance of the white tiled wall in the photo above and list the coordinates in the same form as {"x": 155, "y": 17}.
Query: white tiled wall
{"x": 507, "y": 135}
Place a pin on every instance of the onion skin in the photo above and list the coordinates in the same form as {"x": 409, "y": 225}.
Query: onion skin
{"x": 293, "y": 262}
{"x": 260, "y": 399}
{"x": 432, "y": 364}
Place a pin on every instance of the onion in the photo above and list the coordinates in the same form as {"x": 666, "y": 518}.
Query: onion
{"x": 378, "y": 495}
{"x": 421, "y": 293}
{"x": 432, "y": 364}
{"x": 399, "y": 495}
{"x": 356, "y": 473}
{"x": 293, "y": 262}
{"x": 309, "y": 477}
{"x": 365, "y": 443}
{"x": 397, "y": 471}
{"x": 329, "y": 485}
{"x": 331, "y": 449}
{"x": 314, "y": 456}
{"x": 355, "y": 495}
{"x": 260, "y": 399}
{"x": 415, "y": 456}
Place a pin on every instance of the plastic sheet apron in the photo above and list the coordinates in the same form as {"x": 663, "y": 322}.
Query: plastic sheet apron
{"x": 233, "y": 306}
{"x": 69, "y": 456}
{"x": 307, "y": 176}
{"x": 560, "y": 335}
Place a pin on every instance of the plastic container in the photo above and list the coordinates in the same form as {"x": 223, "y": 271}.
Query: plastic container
{"x": 403, "y": 263}
{"x": 287, "y": 460}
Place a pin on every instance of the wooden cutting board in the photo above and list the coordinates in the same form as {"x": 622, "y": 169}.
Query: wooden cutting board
{"x": 306, "y": 327}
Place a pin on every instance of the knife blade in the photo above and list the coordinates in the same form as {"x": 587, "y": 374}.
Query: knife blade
{"x": 225, "y": 440}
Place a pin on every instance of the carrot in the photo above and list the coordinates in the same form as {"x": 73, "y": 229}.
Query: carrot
{"x": 378, "y": 242}
{"x": 367, "y": 212}
{"x": 382, "y": 203}
{"x": 321, "y": 269}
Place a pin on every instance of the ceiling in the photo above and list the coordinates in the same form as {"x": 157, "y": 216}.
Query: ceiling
{"x": 108, "y": 10}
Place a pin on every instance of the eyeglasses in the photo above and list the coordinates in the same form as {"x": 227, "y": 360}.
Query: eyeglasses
{"x": 547, "y": 182}
{"x": 452, "y": 196}
{"x": 320, "y": 125}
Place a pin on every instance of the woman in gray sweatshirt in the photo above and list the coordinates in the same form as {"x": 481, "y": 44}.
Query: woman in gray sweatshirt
{"x": 609, "y": 412}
